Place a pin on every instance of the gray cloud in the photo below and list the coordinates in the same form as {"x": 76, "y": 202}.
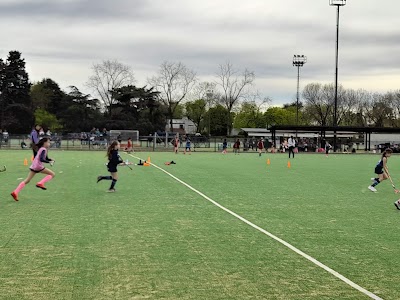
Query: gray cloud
{"x": 62, "y": 39}
{"x": 85, "y": 10}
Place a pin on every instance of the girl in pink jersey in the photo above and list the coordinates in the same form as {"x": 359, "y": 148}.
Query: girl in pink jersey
{"x": 38, "y": 167}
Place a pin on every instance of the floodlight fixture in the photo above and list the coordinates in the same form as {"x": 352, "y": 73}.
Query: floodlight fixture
{"x": 298, "y": 61}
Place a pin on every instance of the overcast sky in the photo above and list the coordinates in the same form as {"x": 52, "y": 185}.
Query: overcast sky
{"x": 61, "y": 39}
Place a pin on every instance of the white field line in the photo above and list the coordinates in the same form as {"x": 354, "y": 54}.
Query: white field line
{"x": 291, "y": 247}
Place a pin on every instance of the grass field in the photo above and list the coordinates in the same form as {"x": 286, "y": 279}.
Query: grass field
{"x": 157, "y": 239}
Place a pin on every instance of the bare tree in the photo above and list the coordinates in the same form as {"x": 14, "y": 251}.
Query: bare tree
{"x": 233, "y": 87}
{"x": 347, "y": 108}
{"x": 379, "y": 110}
{"x": 316, "y": 104}
{"x": 320, "y": 103}
{"x": 206, "y": 91}
{"x": 107, "y": 76}
{"x": 174, "y": 81}
{"x": 395, "y": 104}
{"x": 262, "y": 102}
{"x": 364, "y": 103}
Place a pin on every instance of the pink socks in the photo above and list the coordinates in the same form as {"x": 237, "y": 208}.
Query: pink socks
{"x": 20, "y": 187}
{"x": 44, "y": 180}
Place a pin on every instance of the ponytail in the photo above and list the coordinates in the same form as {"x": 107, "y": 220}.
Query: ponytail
{"x": 110, "y": 148}
{"x": 387, "y": 151}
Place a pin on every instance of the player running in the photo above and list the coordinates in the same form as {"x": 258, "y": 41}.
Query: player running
{"x": 38, "y": 167}
{"x": 381, "y": 169}
{"x": 113, "y": 161}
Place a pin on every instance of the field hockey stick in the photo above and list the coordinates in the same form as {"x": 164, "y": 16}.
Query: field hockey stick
{"x": 393, "y": 186}
{"x": 126, "y": 164}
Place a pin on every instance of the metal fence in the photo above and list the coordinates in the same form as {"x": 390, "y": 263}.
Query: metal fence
{"x": 152, "y": 143}
{"x": 144, "y": 143}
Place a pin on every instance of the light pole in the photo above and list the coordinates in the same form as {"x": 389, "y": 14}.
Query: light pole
{"x": 209, "y": 94}
{"x": 298, "y": 61}
{"x": 338, "y": 4}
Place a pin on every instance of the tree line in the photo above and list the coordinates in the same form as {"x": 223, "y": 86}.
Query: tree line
{"x": 229, "y": 101}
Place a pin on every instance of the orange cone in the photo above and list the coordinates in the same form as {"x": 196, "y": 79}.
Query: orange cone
{"x": 288, "y": 164}
{"x": 268, "y": 162}
{"x": 32, "y": 158}
{"x": 25, "y": 162}
{"x": 148, "y": 160}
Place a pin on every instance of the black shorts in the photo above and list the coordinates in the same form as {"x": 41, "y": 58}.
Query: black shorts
{"x": 37, "y": 171}
{"x": 378, "y": 170}
{"x": 112, "y": 168}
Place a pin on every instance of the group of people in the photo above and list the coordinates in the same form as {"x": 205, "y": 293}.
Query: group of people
{"x": 260, "y": 146}
{"x": 41, "y": 145}
{"x": 176, "y": 142}
{"x": 40, "y": 157}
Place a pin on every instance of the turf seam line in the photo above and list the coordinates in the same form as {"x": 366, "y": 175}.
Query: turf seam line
{"x": 291, "y": 247}
{"x": 10, "y": 239}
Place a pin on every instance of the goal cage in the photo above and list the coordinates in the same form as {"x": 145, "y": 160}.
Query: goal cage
{"x": 123, "y": 135}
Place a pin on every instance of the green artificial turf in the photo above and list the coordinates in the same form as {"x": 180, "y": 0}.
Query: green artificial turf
{"x": 157, "y": 239}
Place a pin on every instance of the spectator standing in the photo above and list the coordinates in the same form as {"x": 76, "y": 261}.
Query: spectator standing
{"x": 224, "y": 146}
{"x": 260, "y": 146}
{"x": 5, "y": 136}
{"x": 327, "y": 148}
{"x": 291, "y": 145}
{"x": 35, "y": 138}
{"x": 236, "y": 146}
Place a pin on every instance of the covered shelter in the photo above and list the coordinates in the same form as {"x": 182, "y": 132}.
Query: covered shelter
{"x": 335, "y": 131}
{"x": 256, "y": 132}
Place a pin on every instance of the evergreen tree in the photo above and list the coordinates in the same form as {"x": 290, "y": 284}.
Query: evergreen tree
{"x": 137, "y": 108}
{"x": 47, "y": 95}
{"x": 16, "y": 114}
{"x": 81, "y": 112}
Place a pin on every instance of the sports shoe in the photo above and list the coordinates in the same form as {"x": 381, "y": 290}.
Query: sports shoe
{"x": 41, "y": 186}
{"x": 373, "y": 179}
{"x": 397, "y": 204}
{"x": 99, "y": 178}
{"x": 15, "y": 196}
{"x": 372, "y": 189}
{"x": 111, "y": 191}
